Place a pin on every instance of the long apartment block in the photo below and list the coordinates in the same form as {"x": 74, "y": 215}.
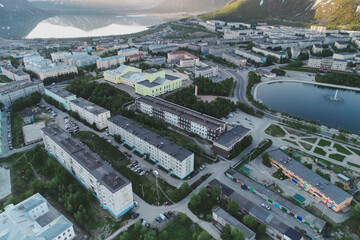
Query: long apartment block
{"x": 329, "y": 194}
{"x": 165, "y": 153}
{"x": 203, "y": 125}
{"x": 112, "y": 189}
{"x": 9, "y": 93}
{"x": 90, "y": 112}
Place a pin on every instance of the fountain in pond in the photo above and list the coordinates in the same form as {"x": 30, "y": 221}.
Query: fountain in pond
{"x": 336, "y": 98}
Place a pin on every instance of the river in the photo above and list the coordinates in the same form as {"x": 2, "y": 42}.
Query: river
{"x": 314, "y": 102}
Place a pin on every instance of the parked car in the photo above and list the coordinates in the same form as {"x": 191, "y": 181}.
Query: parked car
{"x": 265, "y": 206}
{"x": 158, "y": 219}
{"x": 135, "y": 215}
{"x": 167, "y": 203}
{"x": 171, "y": 213}
{"x": 155, "y": 228}
{"x": 136, "y": 203}
{"x": 167, "y": 215}
{"x": 162, "y": 216}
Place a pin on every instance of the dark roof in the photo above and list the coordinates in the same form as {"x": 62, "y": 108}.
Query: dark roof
{"x": 292, "y": 234}
{"x": 101, "y": 170}
{"x": 156, "y": 140}
{"x": 323, "y": 185}
{"x": 233, "y": 136}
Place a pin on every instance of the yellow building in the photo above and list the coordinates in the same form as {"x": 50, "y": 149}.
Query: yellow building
{"x": 153, "y": 74}
{"x": 115, "y": 76}
{"x": 159, "y": 86}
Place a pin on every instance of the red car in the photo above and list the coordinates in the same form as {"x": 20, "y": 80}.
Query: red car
{"x": 167, "y": 203}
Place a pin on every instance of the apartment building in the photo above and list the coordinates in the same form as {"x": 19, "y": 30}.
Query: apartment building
{"x": 60, "y": 95}
{"x": 165, "y": 49}
{"x": 128, "y": 52}
{"x": 109, "y": 62}
{"x": 81, "y": 60}
{"x": 155, "y": 61}
{"x": 222, "y": 217}
{"x": 34, "y": 218}
{"x": 115, "y": 76}
{"x": 329, "y": 194}
{"x": 178, "y": 160}
{"x": 158, "y": 86}
{"x": 267, "y": 52}
{"x": 341, "y": 44}
{"x": 327, "y": 63}
{"x": 112, "y": 189}
{"x": 59, "y": 56}
{"x": 206, "y": 71}
{"x": 249, "y": 55}
{"x": 14, "y": 74}
{"x": 135, "y": 57}
{"x": 91, "y": 112}
{"x": 344, "y": 56}
{"x": 10, "y": 95}
{"x": 4, "y": 63}
{"x": 317, "y": 48}
{"x": 203, "y": 125}
{"x": 235, "y": 59}
{"x": 183, "y": 59}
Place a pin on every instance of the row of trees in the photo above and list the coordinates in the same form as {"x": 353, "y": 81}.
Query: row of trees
{"x": 207, "y": 87}
{"x": 102, "y": 94}
{"x": 185, "y": 97}
{"x": 61, "y": 78}
{"x": 23, "y": 103}
{"x": 343, "y": 79}
{"x": 241, "y": 146}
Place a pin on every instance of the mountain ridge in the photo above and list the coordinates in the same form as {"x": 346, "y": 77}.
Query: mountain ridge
{"x": 324, "y": 12}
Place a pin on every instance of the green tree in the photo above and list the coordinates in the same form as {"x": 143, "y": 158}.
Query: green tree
{"x": 195, "y": 200}
{"x": 182, "y": 217}
{"x": 185, "y": 188}
{"x": 356, "y": 212}
{"x": 226, "y": 233}
{"x": 215, "y": 192}
{"x": 250, "y": 221}
{"x": 164, "y": 235}
{"x": 150, "y": 235}
{"x": 237, "y": 234}
{"x": 232, "y": 207}
{"x": 265, "y": 160}
{"x": 204, "y": 236}
{"x": 261, "y": 229}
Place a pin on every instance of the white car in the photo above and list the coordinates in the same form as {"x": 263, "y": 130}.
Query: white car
{"x": 265, "y": 206}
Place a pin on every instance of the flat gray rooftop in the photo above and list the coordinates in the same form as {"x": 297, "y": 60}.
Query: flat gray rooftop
{"x": 323, "y": 185}
{"x": 233, "y": 136}
{"x": 89, "y": 106}
{"x": 208, "y": 121}
{"x": 101, "y": 170}
{"x": 60, "y": 91}
{"x": 158, "y": 141}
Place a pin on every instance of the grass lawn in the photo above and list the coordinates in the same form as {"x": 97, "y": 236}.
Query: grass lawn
{"x": 201, "y": 180}
{"x": 320, "y": 151}
{"x": 310, "y": 140}
{"x": 355, "y": 151}
{"x": 299, "y": 69}
{"x": 146, "y": 183}
{"x": 4, "y": 79}
{"x": 341, "y": 149}
{"x": 286, "y": 140}
{"x": 353, "y": 164}
{"x": 179, "y": 230}
{"x": 324, "y": 143}
{"x": 337, "y": 157}
{"x": 306, "y": 145}
{"x": 275, "y": 131}
{"x": 16, "y": 129}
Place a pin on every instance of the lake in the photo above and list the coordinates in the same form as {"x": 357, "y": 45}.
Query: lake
{"x": 314, "y": 102}
{"x": 74, "y": 26}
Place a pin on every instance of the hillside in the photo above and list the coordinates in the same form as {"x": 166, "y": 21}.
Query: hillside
{"x": 190, "y": 5}
{"x": 13, "y": 9}
{"x": 327, "y": 12}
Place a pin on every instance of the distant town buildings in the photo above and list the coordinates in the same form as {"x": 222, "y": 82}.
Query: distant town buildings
{"x": 178, "y": 160}
{"x": 34, "y": 218}
{"x": 59, "y": 56}
{"x": 249, "y": 55}
{"x": 112, "y": 189}
{"x": 13, "y": 73}
{"x": 183, "y": 59}
{"x": 81, "y": 60}
{"x": 235, "y": 59}
{"x": 155, "y": 61}
{"x": 204, "y": 70}
{"x": 327, "y": 63}
{"x": 128, "y": 52}
{"x": 90, "y": 112}
{"x": 109, "y": 62}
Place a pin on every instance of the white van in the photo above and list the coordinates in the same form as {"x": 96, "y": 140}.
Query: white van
{"x": 162, "y": 216}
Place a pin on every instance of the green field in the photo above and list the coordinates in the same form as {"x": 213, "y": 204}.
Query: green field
{"x": 275, "y": 131}
{"x": 353, "y": 164}
{"x": 306, "y": 145}
{"x": 310, "y": 140}
{"x": 16, "y": 129}
{"x": 324, "y": 143}
{"x": 337, "y": 157}
{"x": 341, "y": 149}
{"x": 4, "y": 79}
{"x": 320, "y": 151}
{"x": 355, "y": 151}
